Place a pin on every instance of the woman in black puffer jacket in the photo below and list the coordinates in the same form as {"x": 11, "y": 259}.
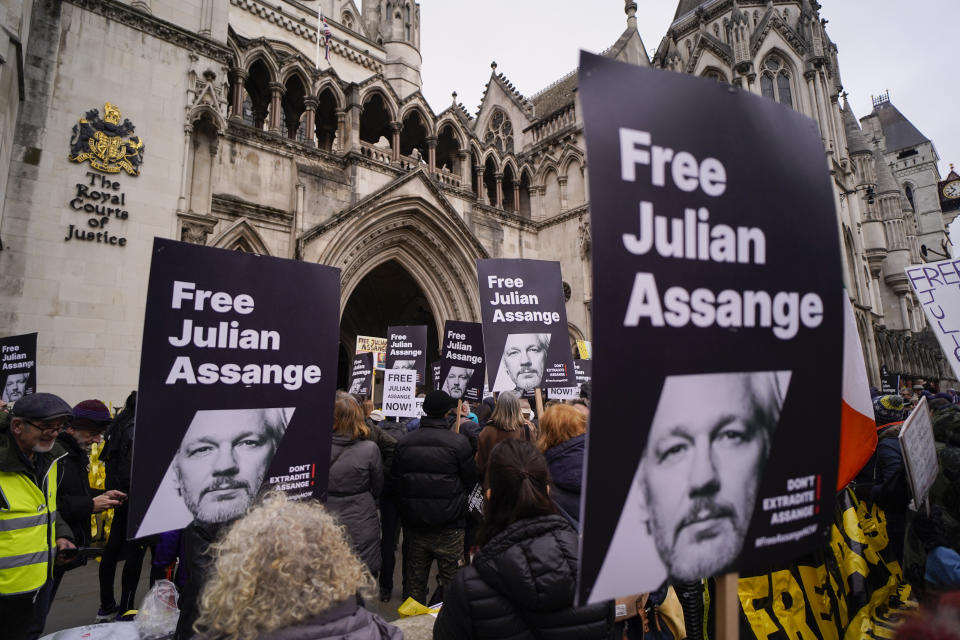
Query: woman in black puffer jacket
{"x": 522, "y": 582}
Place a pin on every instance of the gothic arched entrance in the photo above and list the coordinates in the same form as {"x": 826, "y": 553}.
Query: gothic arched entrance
{"x": 386, "y": 296}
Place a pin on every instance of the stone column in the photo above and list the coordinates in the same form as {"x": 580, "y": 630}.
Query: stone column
{"x": 297, "y": 220}
{"x": 516, "y": 196}
{"x": 563, "y": 192}
{"x": 338, "y": 144}
{"x": 310, "y": 103}
{"x": 185, "y": 169}
{"x": 239, "y": 77}
{"x": 276, "y": 93}
{"x": 206, "y": 18}
{"x": 534, "y": 202}
{"x": 395, "y": 142}
{"x": 464, "y": 159}
{"x": 214, "y": 146}
{"x": 432, "y": 154}
{"x": 499, "y": 178}
{"x": 481, "y": 192}
{"x": 904, "y": 312}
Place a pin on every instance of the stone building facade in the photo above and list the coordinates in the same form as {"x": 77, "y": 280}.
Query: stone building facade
{"x": 250, "y": 143}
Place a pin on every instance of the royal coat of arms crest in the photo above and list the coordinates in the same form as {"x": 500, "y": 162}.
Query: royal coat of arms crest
{"x": 107, "y": 143}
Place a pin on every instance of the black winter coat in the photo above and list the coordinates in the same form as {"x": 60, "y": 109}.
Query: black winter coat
{"x": 433, "y": 471}
{"x": 356, "y": 480}
{"x": 74, "y": 495}
{"x": 565, "y": 462}
{"x": 522, "y": 585}
{"x": 197, "y": 538}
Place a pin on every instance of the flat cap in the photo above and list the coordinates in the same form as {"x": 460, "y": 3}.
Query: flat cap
{"x": 41, "y": 406}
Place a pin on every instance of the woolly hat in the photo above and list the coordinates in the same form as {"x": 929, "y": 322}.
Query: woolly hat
{"x": 91, "y": 415}
{"x": 437, "y": 403}
{"x": 887, "y": 409}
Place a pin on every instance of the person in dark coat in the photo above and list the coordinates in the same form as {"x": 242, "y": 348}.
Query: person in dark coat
{"x": 117, "y": 456}
{"x": 507, "y": 421}
{"x": 313, "y": 579}
{"x": 563, "y": 442}
{"x": 356, "y": 481}
{"x": 522, "y": 582}
{"x": 433, "y": 472}
{"x": 76, "y": 501}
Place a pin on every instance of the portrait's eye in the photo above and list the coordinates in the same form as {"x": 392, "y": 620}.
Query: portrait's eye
{"x": 733, "y": 435}
{"x": 249, "y": 443}
{"x": 535, "y": 349}
{"x": 199, "y": 450}
{"x": 512, "y": 351}
{"x": 671, "y": 451}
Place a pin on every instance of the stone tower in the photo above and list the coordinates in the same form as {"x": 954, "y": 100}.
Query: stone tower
{"x": 396, "y": 25}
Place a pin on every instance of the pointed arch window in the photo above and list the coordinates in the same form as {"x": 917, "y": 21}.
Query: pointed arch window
{"x": 500, "y": 132}
{"x": 775, "y": 81}
{"x": 714, "y": 74}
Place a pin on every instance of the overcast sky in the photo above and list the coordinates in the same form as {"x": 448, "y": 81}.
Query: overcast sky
{"x": 884, "y": 44}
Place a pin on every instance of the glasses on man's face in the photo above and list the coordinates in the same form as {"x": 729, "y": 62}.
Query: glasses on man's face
{"x": 50, "y": 429}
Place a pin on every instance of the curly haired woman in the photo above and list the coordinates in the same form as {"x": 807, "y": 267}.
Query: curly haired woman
{"x": 285, "y": 571}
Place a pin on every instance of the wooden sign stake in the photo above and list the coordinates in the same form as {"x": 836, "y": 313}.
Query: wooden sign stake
{"x": 728, "y": 607}
{"x": 373, "y": 386}
{"x": 456, "y": 423}
{"x": 539, "y": 402}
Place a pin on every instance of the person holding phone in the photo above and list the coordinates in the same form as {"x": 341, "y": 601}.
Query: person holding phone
{"x": 76, "y": 500}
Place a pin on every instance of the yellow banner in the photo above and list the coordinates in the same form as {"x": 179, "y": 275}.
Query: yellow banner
{"x": 850, "y": 590}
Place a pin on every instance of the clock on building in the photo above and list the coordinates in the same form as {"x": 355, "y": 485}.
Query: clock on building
{"x": 950, "y": 191}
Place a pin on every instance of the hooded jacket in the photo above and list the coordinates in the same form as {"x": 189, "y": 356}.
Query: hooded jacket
{"x": 565, "y": 462}
{"x": 522, "y": 585}
{"x": 343, "y": 621}
{"x": 356, "y": 481}
{"x": 433, "y": 470}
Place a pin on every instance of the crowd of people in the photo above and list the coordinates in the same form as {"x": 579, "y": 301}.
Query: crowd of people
{"x": 489, "y": 494}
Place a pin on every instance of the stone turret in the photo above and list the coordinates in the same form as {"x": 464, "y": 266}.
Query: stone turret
{"x": 874, "y": 237}
{"x": 395, "y": 25}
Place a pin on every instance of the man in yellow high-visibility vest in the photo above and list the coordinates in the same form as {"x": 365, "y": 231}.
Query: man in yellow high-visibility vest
{"x": 31, "y": 531}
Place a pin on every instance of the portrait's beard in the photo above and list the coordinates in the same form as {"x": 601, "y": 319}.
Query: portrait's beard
{"x": 218, "y": 508}
{"x": 527, "y": 378}
{"x": 707, "y": 539}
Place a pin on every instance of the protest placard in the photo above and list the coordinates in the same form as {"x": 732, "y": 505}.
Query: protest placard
{"x": 407, "y": 349}
{"x": 525, "y": 336}
{"x": 235, "y": 392}
{"x": 585, "y": 349}
{"x": 435, "y": 370}
{"x": 361, "y": 374}
{"x": 935, "y": 284}
{"x": 18, "y": 366}
{"x": 376, "y": 346}
{"x": 399, "y": 393}
{"x": 890, "y": 384}
{"x": 461, "y": 363}
{"x": 721, "y": 317}
{"x": 919, "y": 451}
{"x": 581, "y": 370}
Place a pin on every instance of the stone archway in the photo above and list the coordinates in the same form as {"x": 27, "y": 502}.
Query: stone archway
{"x": 387, "y": 296}
{"x": 409, "y": 223}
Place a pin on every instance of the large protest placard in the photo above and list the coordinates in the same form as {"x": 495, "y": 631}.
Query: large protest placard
{"x": 399, "y": 393}
{"x": 407, "y": 349}
{"x": 936, "y": 286}
{"x": 18, "y": 366}
{"x": 581, "y": 370}
{"x": 361, "y": 374}
{"x": 376, "y": 346}
{"x": 725, "y": 320}
{"x": 919, "y": 451}
{"x": 237, "y": 380}
{"x": 435, "y": 371}
{"x": 525, "y": 336}
{"x": 461, "y": 363}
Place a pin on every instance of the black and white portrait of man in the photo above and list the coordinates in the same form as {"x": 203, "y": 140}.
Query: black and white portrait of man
{"x": 404, "y": 364}
{"x": 456, "y": 382}
{"x": 14, "y": 387}
{"x": 693, "y": 495}
{"x": 218, "y": 468}
{"x": 523, "y": 362}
